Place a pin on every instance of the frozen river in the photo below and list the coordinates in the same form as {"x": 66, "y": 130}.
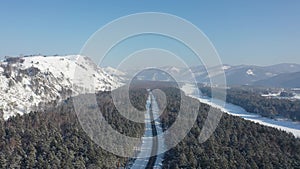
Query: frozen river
{"x": 286, "y": 125}
{"x": 282, "y": 124}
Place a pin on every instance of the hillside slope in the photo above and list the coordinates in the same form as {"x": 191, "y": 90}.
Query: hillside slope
{"x": 26, "y": 83}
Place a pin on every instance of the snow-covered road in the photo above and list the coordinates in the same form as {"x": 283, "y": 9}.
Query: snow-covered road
{"x": 147, "y": 147}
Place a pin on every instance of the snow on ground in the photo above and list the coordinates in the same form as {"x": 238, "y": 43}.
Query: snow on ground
{"x": 270, "y": 74}
{"x": 161, "y": 141}
{"x": 147, "y": 140}
{"x": 225, "y": 67}
{"x": 271, "y": 94}
{"x": 297, "y": 96}
{"x": 189, "y": 89}
{"x": 114, "y": 71}
{"x": 174, "y": 70}
{"x": 277, "y": 95}
{"x": 250, "y": 72}
{"x": 285, "y": 125}
{"x": 28, "y": 81}
{"x": 66, "y": 67}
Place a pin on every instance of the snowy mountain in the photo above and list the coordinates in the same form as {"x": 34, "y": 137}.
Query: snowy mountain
{"x": 285, "y": 80}
{"x": 29, "y": 82}
{"x": 235, "y": 75}
{"x": 118, "y": 75}
{"x": 114, "y": 71}
{"x": 250, "y": 74}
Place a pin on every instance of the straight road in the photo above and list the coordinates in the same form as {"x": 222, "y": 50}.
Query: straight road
{"x": 150, "y": 145}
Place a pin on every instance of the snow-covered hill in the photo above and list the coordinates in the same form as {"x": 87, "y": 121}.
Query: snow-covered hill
{"x": 28, "y": 82}
{"x": 235, "y": 75}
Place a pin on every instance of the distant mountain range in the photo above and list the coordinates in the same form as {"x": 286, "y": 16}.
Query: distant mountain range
{"x": 285, "y": 75}
{"x": 251, "y": 75}
{"x": 285, "y": 80}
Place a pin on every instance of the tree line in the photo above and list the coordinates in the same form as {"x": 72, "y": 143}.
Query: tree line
{"x": 53, "y": 138}
{"x": 255, "y": 103}
{"x": 236, "y": 143}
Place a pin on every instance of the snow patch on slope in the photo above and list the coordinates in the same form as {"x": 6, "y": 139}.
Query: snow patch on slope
{"x": 27, "y": 82}
{"x": 250, "y": 72}
{"x": 270, "y": 74}
{"x": 225, "y": 67}
{"x": 113, "y": 71}
{"x": 174, "y": 69}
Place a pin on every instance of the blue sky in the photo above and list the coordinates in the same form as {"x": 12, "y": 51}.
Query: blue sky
{"x": 243, "y": 32}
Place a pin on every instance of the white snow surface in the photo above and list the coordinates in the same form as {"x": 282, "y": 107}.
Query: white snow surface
{"x": 270, "y": 74}
{"x": 113, "y": 71}
{"x": 297, "y": 96}
{"x": 271, "y": 94}
{"x": 250, "y": 72}
{"x": 147, "y": 140}
{"x": 38, "y": 79}
{"x": 282, "y": 124}
{"x": 225, "y": 67}
{"x": 174, "y": 69}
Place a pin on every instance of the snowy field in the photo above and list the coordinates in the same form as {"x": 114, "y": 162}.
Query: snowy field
{"x": 285, "y": 125}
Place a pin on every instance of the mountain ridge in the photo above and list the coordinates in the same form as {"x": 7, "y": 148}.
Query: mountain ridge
{"x": 27, "y": 82}
{"x": 235, "y": 75}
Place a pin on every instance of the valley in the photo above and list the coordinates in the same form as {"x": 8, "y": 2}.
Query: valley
{"x": 150, "y": 84}
{"x": 148, "y": 154}
{"x": 51, "y": 130}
